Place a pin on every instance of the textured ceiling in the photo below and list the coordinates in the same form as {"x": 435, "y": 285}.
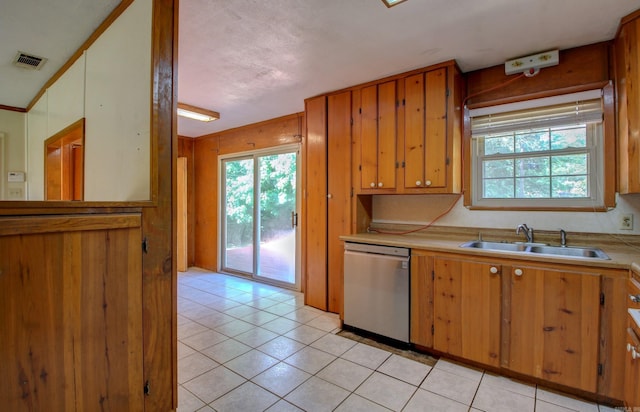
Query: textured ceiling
{"x": 253, "y": 60}
{"x": 52, "y": 29}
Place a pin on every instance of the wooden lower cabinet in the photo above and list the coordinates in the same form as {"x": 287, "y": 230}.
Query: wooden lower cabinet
{"x": 554, "y": 325}
{"x": 632, "y": 370}
{"x": 421, "y": 329}
{"x": 554, "y": 322}
{"x": 466, "y": 309}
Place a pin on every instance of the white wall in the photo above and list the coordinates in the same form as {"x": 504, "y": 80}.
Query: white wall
{"x": 117, "y": 109}
{"x": 12, "y": 155}
{"x": 66, "y": 98}
{"x": 110, "y": 86}
{"x": 421, "y": 209}
{"x": 37, "y": 134}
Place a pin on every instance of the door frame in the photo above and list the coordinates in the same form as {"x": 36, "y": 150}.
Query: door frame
{"x": 254, "y": 154}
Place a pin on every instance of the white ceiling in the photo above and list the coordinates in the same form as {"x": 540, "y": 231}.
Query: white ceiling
{"x": 253, "y": 60}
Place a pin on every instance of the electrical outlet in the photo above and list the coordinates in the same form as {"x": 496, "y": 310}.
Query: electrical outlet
{"x": 15, "y": 193}
{"x": 626, "y": 222}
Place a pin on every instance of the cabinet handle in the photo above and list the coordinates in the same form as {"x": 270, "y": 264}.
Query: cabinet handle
{"x": 380, "y": 184}
{"x": 629, "y": 346}
{"x": 518, "y": 272}
{"x": 427, "y": 182}
{"x": 329, "y": 196}
{"x": 493, "y": 270}
{"x": 372, "y": 184}
{"x": 635, "y": 298}
{"x": 418, "y": 183}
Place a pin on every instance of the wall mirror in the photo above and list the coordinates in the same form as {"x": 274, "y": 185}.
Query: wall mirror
{"x": 87, "y": 135}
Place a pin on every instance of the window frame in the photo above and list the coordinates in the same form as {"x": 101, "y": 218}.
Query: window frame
{"x": 607, "y": 164}
{"x": 595, "y": 172}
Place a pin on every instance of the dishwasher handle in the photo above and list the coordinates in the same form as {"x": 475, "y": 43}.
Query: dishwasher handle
{"x": 403, "y": 260}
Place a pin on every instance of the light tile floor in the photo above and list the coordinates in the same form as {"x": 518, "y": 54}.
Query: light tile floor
{"x": 245, "y": 346}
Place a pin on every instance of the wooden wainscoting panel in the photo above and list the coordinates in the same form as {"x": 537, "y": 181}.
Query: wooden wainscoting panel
{"x": 71, "y": 319}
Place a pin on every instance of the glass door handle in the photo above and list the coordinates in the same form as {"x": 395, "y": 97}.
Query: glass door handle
{"x": 294, "y": 219}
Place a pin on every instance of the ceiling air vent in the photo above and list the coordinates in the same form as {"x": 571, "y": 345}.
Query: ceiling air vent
{"x": 29, "y": 61}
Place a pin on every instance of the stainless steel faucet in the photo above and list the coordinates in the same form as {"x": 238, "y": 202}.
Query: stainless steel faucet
{"x": 528, "y": 232}
{"x": 563, "y": 238}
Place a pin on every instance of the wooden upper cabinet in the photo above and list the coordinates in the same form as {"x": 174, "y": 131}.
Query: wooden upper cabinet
{"x": 409, "y": 133}
{"x": 426, "y": 140}
{"x": 627, "y": 63}
{"x": 554, "y": 318}
{"x": 378, "y": 131}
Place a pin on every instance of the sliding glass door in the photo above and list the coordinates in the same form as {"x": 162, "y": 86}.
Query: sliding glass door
{"x": 259, "y": 216}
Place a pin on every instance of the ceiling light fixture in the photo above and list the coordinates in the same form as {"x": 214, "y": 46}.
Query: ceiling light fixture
{"x": 391, "y": 3}
{"x": 197, "y": 113}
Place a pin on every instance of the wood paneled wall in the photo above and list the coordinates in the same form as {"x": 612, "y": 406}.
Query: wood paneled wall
{"x": 71, "y": 313}
{"x": 206, "y": 149}
{"x": 581, "y": 67}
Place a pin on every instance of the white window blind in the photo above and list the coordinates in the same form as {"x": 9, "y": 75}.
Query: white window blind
{"x": 577, "y": 108}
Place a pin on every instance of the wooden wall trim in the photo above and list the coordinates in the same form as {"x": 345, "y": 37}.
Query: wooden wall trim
{"x": 243, "y": 128}
{"x": 159, "y": 271}
{"x": 12, "y": 108}
{"x": 120, "y": 8}
{"x": 56, "y": 224}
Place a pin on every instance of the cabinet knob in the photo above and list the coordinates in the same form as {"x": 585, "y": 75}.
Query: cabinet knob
{"x": 372, "y": 184}
{"x": 518, "y": 272}
{"x": 418, "y": 183}
{"x": 380, "y": 184}
{"x": 427, "y": 182}
{"x": 493, "y": 270}
{"x": 329, "y": 196}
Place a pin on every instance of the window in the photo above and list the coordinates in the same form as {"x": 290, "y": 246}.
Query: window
{"x": 544, "y": 153}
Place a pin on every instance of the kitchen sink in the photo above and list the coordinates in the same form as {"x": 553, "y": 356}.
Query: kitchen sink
{"x": 509, "y": 247}
{"x": 538, "y": 249}
{"x": 586, "y": 252}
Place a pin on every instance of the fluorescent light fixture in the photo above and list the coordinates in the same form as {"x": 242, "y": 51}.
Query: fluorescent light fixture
{"x": 197, "y": 113}
{"x": 391, "y": 3}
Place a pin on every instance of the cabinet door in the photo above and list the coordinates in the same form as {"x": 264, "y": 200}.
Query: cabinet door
{"x": 435, "y": 163}
{"x": 466, "y": 309}
{"x": 387, "y": 127}
{"x": 414, "y": 118}
{"x": 628, "y": 97}
{"x": 315, "y": 202}
{"x": 632, "y": 371}
{"x": 554, "y": 318}
{"x": 421, "y": 299}
{"x": 426, "y": 130}
{"x": 339, "y": 192}
{"x": 369, "y": 138}
{"x": 378, "y": 136}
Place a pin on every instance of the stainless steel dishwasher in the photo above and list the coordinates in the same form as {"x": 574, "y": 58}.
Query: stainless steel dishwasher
{"x": 376, "y": 289}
